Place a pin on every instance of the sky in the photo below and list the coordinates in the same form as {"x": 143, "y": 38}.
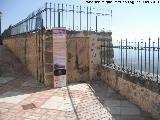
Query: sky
{"x": 137, "y": 21}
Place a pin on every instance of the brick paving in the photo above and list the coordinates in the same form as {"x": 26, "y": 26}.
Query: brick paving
{"x": 23, "y": 98}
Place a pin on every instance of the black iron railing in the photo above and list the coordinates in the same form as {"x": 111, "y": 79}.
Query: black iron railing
{"x": 76, "y": 18}
{"x": 136, "y": 58}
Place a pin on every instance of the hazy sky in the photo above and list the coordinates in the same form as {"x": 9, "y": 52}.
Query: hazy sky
{"x": 138, "y": 21}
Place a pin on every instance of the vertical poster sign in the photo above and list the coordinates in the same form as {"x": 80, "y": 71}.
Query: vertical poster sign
{"x": 59, "y": 57}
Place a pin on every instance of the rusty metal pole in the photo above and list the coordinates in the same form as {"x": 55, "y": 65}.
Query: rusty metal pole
{"x": 46, "y": 14}
{"x": 153, "y": 60}
{"x": 96, "y": 23}
{"x": 59, "y": 21}
{"x": 87, "y": 18}
{"x": 149, "y": 54}
{"x": 145, "y": 58}
{"x": 50, "y": 15}
{"x": 158, "y": 63}
{"x": 73, "y": 17}
{"x": 54, "y": 16}
{"x": 126, "y": 53}
{"x": 62, "y": 14}
{"x": 80, "y": 17}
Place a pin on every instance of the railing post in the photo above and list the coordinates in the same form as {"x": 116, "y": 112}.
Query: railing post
{"x": 59, "y": 21}
{"x": 73, "y": 17}
{"x": 141, "y": 57}
{"x": 50, "y": 15}
{"x": 80, "y": 17}
{"x": 62, "y": 14}
{"x": 46, "y": 14}
{"x": 96, "y": 23}
{"x": 54, "y": 16}
{"x": 101, "y": 52}
{"x": 153, "y": 60}
{"x": 138, "y": 55}
{"x": 90, "y": 18}
{"x": 149, "y": 54}
{"x": 158, "y": 63}
{"x": 145, "y": 57}
{"x": 121, "y": 53}
{"x": 87, "y": 18}
{"x": 104, "y": 51}
{"x": 107, "y": 53}
{"x": 126, "y": 53}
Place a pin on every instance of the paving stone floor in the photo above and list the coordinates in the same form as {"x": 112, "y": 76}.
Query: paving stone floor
{"x": 23, "y": 98}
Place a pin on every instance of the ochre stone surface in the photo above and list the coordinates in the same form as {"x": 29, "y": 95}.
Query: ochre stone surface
{"x": 78, "y": 59}
{"x": 83, "y": 54}
{"x": 29, "y": 49}
{"x": 145, "y": 98}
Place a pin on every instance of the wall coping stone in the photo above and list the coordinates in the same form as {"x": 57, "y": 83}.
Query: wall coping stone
{"x": 151, "y": 85}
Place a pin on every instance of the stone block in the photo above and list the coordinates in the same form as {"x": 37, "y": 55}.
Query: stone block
{"x": 48, "y": 80}
{"x": 48, "y": 57}
{"x": 48, "y": 67}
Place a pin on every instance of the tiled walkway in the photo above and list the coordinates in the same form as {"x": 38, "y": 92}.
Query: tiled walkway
{"x": 22, "y": 98}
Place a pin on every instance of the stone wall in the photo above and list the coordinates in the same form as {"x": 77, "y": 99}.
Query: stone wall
{"x": 83, "y": 54}
{"x": 78, "y": 57}
{"x": 135, "y": 92}
{"x": 96, "y": 52}
{"x": 29, "y": 49}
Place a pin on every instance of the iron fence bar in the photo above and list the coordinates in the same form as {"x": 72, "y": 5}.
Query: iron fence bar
{"x": 29, "y": 24}
{"x": 126, "y": 53}
{"x": 59, "y": 24}
{"x": 80, "y": 16}
{"x": 149, "y": 54}
{"x": 96, "y": 23}
{"x": 141, "y": 57}
{"x": 73, "y": 17}
{"x": 135, "y": 55}
{"x": 90, "y": 18}
{"x": 121, "y": 53}
{"x": 87, "y": 18}
{"x": 119, "y": 50}
{"x": 107, "y": 53}
{"x": 138, "y": 55}
{"x": 50, "y": 15}
{"x": 153, "y": 60}
{"x": 158, "y": 63}
{"x": 131, "y": 58}
{"x": 145, "y": 57}
{"x": 62, "y": 14}
{"x": 101, "y": 53}
{"x": 130, "y": 65}
{"x": 54, "y": 16}
{"x": 104, "y": 51}
{"x": 46, "y": 14}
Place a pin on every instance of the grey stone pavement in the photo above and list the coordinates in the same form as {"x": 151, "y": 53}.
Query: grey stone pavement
{"x": 23, "y": 98}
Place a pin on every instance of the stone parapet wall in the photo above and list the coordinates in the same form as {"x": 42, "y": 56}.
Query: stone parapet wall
{"x": 29, "y": 49}
{"x": 36, "y": 52}
{"x": 135, "y": 92}
{"x": 84, "y": 54}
